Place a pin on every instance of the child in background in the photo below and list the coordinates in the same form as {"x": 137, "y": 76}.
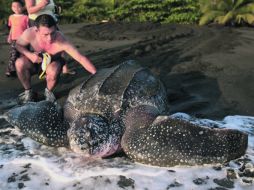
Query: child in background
{"x": 18, "y": 23}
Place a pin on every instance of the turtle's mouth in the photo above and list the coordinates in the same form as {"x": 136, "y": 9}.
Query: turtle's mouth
{"x": 105, "y": 149}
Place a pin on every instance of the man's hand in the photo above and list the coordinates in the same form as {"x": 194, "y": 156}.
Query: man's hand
{"x": 9, "y": 39}
{"x": 43, "y": 3}
{"x": 46, "y": 1}
{"x": 35, "y": 58}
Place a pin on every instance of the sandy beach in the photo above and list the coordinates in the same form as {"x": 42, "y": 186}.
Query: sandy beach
{"x": 208, "y": 71}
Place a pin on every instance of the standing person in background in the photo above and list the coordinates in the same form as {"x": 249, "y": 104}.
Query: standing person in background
{"x": 36, "y": 8}
{"x": 18, "y": 23}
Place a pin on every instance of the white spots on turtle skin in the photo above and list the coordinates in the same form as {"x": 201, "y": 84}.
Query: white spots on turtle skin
{"x": 94, "y": 97}
{"x": 164, "y": 141}
{"x": 94, "y": 136}
{"x": 145, "y": 89}
{"x": 170, "y": 142}
{"x": 42, "y": 122}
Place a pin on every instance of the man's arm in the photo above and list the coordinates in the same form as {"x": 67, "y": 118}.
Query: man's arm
{"x": 9, "y": 27}
{"x": 22, "y": 43}
{"x": 75, "y": 54}
{"x": 32, "y": 8}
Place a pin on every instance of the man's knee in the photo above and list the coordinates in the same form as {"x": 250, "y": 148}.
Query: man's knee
{"x": 53, "y": 69}
{"x": 21, "y": 63}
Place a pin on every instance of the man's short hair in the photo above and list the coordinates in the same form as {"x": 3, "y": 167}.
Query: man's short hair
{"x": 45, "y": 20}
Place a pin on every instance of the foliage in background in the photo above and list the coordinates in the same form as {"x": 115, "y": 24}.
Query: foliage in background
{"x": 227, "y": 12}
{"x": 5, "y": 11}
{"x": 85, "y": 10}
{"x": 164, "y": 11}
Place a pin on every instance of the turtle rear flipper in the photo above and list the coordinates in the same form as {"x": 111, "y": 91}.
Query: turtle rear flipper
{"x": 168, "y": 142}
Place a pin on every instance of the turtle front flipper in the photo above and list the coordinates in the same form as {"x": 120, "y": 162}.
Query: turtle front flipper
{"x": 40, "y": 121}
{"x": 167, "y": 141}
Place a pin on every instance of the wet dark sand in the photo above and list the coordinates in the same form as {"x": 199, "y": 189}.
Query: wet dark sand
{"x": 208, "y": 72}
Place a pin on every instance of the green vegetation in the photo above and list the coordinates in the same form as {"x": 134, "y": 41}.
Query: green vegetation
{"x": 4, "y": 11}
{"x": 85, "y": 10}
{"x": 164, "y": 11}
{"x": 227, "y": 12}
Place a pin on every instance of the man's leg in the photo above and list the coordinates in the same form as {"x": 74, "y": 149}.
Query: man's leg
{"x": 24, "y": 69}
{"x": 52, "y": 74}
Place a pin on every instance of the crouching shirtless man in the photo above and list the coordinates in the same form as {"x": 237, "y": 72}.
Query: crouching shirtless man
{"x": 44, "y": 37}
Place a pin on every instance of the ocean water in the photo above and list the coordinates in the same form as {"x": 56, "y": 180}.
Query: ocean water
{"x": 26, "y": 164}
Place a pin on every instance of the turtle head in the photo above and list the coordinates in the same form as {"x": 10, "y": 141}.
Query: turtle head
{"x": 89, "y": 135}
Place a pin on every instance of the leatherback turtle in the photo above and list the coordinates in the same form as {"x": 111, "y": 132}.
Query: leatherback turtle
{"x": 125, "y": 108}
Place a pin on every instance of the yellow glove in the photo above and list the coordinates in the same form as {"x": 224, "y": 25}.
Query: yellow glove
{"x": 46, "y": 59}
